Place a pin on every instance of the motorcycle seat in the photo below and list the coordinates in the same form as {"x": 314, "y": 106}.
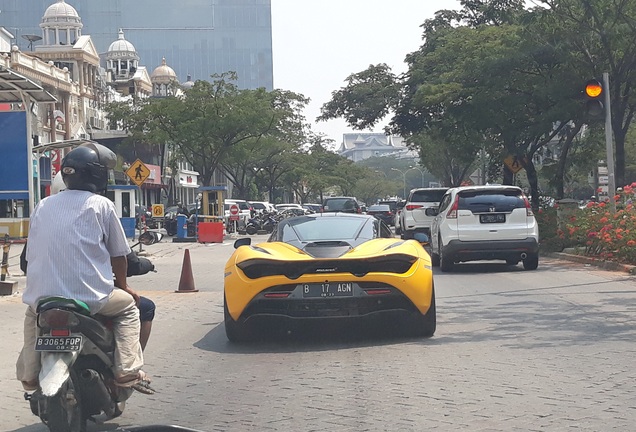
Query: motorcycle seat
{"x": 63, "y": 303}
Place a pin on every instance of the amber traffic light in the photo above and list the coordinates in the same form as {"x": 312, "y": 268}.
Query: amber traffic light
{"x": 594, "y": 93}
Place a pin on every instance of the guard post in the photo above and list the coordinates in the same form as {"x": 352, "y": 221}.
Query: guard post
{"x": 124, "y": 197}
{"x": 210, "y": 229}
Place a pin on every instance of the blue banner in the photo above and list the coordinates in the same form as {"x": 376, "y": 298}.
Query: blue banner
{"x": 14, "y": 156}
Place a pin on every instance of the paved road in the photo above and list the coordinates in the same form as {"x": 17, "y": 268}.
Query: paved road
{"x": 548, "y": 350}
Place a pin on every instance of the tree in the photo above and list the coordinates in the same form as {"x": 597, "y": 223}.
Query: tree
{"x": 603, "y": 34}
{"x": 203, "y": 124}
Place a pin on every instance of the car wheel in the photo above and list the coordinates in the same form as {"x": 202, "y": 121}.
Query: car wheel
{"x": 425, "y": 325}
{"x": 234, "y": 330}
{"x": 445, "y": 262}
{"x": 398, "y": 230}
{"x": 531, "y": 262}
{"x": 512, "y": 262}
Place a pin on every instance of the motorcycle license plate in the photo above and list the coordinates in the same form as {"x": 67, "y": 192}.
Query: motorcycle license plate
{"x": 59, "y": 343}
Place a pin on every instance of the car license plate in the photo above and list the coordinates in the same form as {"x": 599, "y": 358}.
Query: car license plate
{"x": 328, "y": 289}
{"x": 59, "y": 343}
{"x": 492, "y": 218}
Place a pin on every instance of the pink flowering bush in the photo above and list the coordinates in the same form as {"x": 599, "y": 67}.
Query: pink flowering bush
{"x": 603, "y": 235}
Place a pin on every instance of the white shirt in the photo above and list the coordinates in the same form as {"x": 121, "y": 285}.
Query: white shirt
{"x": 72, "y": 236}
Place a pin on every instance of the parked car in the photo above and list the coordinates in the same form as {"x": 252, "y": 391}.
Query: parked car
{"x": 262, "y": 206}
{"x": 245, "y": 210}
{"x": 491, "y": 222}
{"x": 285, "y": 206}
{"x": 327, "y": 267}
{"x": 341, "y": 204}
{"x": 382, "y": 212}
{"x": 315, "y": 208}
{"x": 413, "y": 215}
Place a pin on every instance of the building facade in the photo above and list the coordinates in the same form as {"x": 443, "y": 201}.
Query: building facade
{"x": 361, "y": 146}
{"x": 197, "y": 38}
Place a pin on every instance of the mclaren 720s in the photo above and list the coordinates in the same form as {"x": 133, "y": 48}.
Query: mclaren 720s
{"x": 331, "y": 267}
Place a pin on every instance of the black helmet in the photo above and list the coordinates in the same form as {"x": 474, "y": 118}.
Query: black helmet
{"x": 86, "y": 167}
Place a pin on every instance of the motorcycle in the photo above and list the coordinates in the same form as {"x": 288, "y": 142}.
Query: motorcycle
{"x": 77, "y": 382}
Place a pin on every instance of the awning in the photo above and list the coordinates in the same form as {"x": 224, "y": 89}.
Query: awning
{"x": 61, "y": 144}
{"x": 12, "y": 84}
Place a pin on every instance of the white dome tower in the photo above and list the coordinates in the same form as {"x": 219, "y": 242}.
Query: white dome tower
{"x": 163, "y": 79}
{"x": 61, "y": 25}
{"x": 122, "y": 58}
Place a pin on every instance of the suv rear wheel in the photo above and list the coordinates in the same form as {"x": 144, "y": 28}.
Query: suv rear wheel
{"x": 446, "y": 263}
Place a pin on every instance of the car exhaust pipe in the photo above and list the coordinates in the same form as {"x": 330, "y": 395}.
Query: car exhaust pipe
{"x": 524, "y": 255}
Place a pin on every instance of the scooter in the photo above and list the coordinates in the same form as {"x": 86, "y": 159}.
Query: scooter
{"x": 77, "y": 383}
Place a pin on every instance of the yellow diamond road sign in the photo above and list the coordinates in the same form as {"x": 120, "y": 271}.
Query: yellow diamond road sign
{"x": 138, "y": 172}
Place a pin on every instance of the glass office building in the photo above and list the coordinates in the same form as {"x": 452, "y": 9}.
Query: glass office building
{"x": 197, "y": 37}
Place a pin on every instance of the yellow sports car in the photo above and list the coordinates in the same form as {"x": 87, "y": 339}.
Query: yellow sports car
{"x": 331, "y": 266}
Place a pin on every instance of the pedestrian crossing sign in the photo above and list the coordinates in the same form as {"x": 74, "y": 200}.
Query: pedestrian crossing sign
{"x": 138, "y": 172}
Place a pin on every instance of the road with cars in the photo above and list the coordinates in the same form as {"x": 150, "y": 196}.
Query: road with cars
{"x": 544, "y": 350}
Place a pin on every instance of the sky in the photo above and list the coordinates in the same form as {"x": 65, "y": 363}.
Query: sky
{"x": 317, "y": 44}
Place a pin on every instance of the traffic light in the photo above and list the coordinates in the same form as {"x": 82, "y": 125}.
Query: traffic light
{"x": 594, "y": 94}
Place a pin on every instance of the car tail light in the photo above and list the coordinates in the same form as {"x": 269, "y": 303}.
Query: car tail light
{"x": 529, "y": 211}
{"x": 377, "y": 291}
{"x": 413, "y": 206}
{"x": 452, "y": 213}
{"x": 276, "y": 295}
{"x": 57, "y": 319}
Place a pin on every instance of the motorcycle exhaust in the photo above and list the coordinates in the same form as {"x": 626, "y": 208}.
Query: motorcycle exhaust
{"x": 524, "y": 255}
{"x": 93, "y": 385}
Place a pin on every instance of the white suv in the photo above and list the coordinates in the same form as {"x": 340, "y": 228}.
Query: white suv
{"x": 413, "y": 216}
{"x": 491, "y": 222}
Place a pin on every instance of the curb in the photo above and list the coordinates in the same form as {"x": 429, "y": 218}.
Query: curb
{"x": 605, "y": 265}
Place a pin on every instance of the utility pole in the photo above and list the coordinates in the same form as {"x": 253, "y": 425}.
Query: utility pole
{"x": 609, "y": 147}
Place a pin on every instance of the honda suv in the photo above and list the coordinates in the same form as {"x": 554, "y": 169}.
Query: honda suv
{"x": 491, "y": 222}
{"x": 413, "y": 216}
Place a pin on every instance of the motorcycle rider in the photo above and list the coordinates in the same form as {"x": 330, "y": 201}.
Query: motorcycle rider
{"x": 76, "y": 244}
{"x": 146, "y": 306}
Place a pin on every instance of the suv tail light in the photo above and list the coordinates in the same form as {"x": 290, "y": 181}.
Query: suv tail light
{"x": 413, "y": 206}
{"x": 529, "y": 211}
{"x": 452, "y": 213}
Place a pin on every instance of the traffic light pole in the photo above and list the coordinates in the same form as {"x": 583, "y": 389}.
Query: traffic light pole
{"x": 609, "y": 147}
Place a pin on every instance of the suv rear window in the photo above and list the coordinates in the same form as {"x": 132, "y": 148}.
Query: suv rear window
{"x": 484, "y": 201}
{"x": 339, "y": 204}
{"x": 427, "y": 195}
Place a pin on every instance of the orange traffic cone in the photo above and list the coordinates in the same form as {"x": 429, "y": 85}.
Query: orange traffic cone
{"x": 186, "y": 283}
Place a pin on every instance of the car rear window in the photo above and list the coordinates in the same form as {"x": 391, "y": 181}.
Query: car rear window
{"x": 392, "y": 204}
{"x": 323, "y": 229}
{"x": 336, "y": 204}
{"x": 486, "y": 201}
{"x": 427, "y": 195}
{"x": 380, "y": 207}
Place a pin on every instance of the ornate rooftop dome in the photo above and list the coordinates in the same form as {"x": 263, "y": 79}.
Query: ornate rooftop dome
{"x": 61, "y": 13}
{"x": 163, "y": 74}
{"x": 188, "y": 84}
{"x": 122, "y": 49}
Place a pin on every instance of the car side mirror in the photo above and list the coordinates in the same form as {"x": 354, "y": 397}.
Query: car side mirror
{"x": 431, "y": 211}
{"x": 245, "y": 241}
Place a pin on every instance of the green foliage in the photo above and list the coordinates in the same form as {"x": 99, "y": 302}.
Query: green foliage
{"x": 204, "y": 123}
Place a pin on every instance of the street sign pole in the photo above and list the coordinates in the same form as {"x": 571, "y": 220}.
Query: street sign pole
{"x": 609, "y": 147}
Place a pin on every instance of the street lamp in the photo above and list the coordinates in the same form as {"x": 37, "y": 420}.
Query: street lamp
{"x": 421, "y": 173}
{"x": 403, "y": 181}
